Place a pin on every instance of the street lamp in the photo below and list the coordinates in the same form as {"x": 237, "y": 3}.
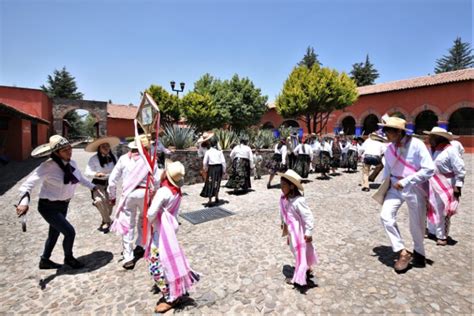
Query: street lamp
{"x": 181, "y": 85}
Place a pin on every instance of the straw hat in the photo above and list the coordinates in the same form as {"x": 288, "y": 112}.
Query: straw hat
{"x": 378, "y": 137}
{"x": 56, "y": 142}
{"x": 111, "y": 140}
{"x": 438, "y": 131}
{"x": 205, "y": 137}
{"x": 395, "y": 122}
{"x": 141, "y": 138}
{"x": 293, "y": 177}
{"x": 454, "y": 136}
{"x": 175, "y": 172}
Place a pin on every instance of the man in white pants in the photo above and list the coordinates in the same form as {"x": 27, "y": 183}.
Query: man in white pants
{"x": 409, "y": 166}
{"x": 132, "y": 169}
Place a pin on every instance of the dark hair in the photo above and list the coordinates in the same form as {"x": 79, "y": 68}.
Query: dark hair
{"x": 103, "y": 160}
{"x": 294, "y": 191}
{"x": 213, "y": 142}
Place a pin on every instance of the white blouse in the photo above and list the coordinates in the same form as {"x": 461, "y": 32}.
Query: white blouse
{"x": 93, "y": 167}
{"x": 242, "y": 151}
{"x": 449, "y": 161}
{"x": 214, "y": 157}
{"x": 51, "y": 177}
{"x": 297, "y": 207}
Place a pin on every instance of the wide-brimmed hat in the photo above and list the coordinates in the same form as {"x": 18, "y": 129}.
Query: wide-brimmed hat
{"x": 454, "y": 136}
{"x": 175, "y": 172}
{"x": 56, "y": 142}
{"x": 395, "y": 122}
{"x": 141, "y": 138}
{"x": 439, "y": 131}
{"x": 378, "y": 137}
{"x": 111, "y": 140}
{"x": 293, "y": 177}
{"x": 205, "y": 137}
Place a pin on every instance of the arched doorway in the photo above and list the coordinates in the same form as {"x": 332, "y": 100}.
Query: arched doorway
{"x": 290, "y": 123}
{"x": 370, "y": 124}
{"x": 348, "y": 125}
{"x": 425, "y": 121}
{"x": 80, "y": 124}
{"x": 461, "y": 122}
{"x": 268, "y": 125}
{"x": 398, "y": 114}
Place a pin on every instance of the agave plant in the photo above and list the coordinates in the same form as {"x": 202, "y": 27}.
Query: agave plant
{"x": 264, "y": 139}
{"x": 285, "y": 132}
{"x": 226, "y": 138}
{"x": 178, "y": 136}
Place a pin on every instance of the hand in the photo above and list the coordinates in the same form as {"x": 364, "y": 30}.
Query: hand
{"x": 457, "y": 192}
{"x": 308, "y": 238}
{"x": 398, "y": 186}
{"x": 112, "y": 202}
{"x": 21, "y": 210}
{"x": 100, "y": 174}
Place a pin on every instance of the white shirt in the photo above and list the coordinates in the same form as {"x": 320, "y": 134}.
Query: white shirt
{"x": 304, "y": 149}
{"x": 299, "y": 206}
{"x": 51, "y": 177}
{"x": 344, "y": 147}
{"x": 201, "y": 151}
{"x": 372, "y": 147}
{"x": 242, "y": 151}
{"x": 456, "y": 144}
{"x": 282, "y": 151}
{"x": 214, "y": 157}
{"x": 161, "y": 148}
{"x": 414, "y": 151}
{"x": 93, "y": 167}
{"x": 124, "y": 166}
{"x": 449, "y": 161}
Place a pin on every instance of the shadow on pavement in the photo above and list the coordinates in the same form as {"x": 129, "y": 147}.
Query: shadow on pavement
{"x": 93, "y": 261}
{"x": 385, "y": 255}
{"x": 374, "y": 185}
{"x": 14, "y": 171}
{"x": 218, "y": 203}
{"x": 288, "y": 272}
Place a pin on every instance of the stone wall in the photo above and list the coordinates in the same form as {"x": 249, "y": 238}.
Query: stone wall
{"x": 193, "y": 163}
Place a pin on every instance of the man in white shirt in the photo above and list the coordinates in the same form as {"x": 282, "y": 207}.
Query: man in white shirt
{"x": 457, "y": 144}
{"x": 371, "y": 152}
{"x": 58, "y": 177}
{"x": 132, "y": 169}
{"x": 408, "y": 167}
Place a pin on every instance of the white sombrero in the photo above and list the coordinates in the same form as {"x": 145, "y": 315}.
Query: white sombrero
{"x": 395, "y": 122}
{"x": 293, "y": 177}
{"x": 438, "y": 131}
{"x": 56, "y": 142}
{"x": 377, "y": 137}
{"x": 111, "y": 140}
{"x": 205, "y": 137}
{"x": 141, "y": 138}
{"x": 175, "y": 172}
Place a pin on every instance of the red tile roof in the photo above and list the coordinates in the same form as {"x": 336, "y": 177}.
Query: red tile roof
{"x": 119, "y": 111}
{"x": 446, "y": 77}
{"x": 11, "y": 110}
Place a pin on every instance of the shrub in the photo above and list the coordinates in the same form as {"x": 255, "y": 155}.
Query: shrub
{"x": 179, "y": 137}
{"x": 226, "y": 138}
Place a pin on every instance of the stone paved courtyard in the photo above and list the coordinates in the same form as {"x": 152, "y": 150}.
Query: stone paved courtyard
{"x": 241, "y": 258}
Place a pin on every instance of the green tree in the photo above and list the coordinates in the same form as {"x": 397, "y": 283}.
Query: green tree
{"x": 244, "y": 102}
{"x": 310, "y": 58}
{"x": 364, "y": 74}
{"x": 202, "y": 112}
{"x": 168, "y": 103}
{"x": 460, "y": 57}
{"x": 313, "y": 93}
{"x": 89, "y": 125}
{"x": 75, "y": 124}
{"x": 62, "y": 85}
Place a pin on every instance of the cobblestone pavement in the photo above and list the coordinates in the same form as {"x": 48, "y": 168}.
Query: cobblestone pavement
{"x": 242, "y": 259}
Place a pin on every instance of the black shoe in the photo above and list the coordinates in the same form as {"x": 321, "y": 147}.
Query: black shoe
{"x": 74, "y": 263}
{"x": 365, "y": 189}
{"x": 129, "y": 265}
{"x": 138, "y": 252}
{"x": 418, "y": 261}
{"x": 48, "y": 264}
{"x": 268, "y": 186}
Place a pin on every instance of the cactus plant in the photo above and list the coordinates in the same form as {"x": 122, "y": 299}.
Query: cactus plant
{"x": 178, "y": 136}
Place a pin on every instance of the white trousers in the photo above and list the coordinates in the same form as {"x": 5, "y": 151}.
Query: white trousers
{"x": 133, "y": 208}
{"x": 416, "y": 203}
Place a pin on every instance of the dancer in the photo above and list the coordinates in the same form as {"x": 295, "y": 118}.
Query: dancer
{"x": 214, "y": 166}
{"x": 242, "y": 163}
{"x": 99, "y": 168}
{"x": 446, "y": 184}
{"x": 167, "y": 262}
{"x": 408, "y": 167}
{"x": 278, "y": 161}
{"x": 297, "y": 225}
{"x": 58, "y": 177}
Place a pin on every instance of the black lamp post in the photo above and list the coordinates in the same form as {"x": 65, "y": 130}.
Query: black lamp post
{"x": 173, "y": 85}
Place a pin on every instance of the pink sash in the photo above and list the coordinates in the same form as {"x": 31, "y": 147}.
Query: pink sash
{"x": 178, "y": 273}
{"x": 303, "y": 251}
{"x": 121, "y": 224}
{"x": 400, "y": 168}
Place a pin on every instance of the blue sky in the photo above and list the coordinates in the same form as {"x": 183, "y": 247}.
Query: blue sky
{"x": 115, "y": 49}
